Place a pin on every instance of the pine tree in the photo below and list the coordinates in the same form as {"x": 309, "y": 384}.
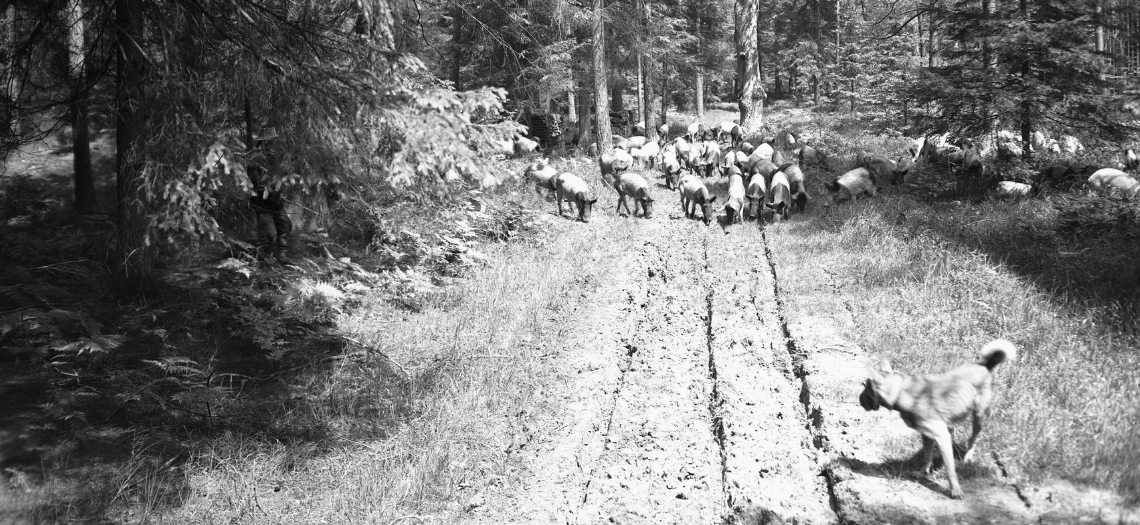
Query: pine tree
{"x": 1027, "y": 65}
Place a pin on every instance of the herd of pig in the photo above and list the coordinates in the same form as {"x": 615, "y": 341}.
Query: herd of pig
{"x": 967, "y": 157}
{"x": 761, "y": 181}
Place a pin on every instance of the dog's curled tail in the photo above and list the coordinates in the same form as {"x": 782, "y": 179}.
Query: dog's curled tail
{"x": 997, "y": 352}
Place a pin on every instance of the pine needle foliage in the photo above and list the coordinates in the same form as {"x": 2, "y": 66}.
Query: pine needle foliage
{"x": 1030, "y": 62}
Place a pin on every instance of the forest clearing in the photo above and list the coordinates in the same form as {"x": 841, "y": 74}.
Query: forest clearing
{"x": 378, "y": 261}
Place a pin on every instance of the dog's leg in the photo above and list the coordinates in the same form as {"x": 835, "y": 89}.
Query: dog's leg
{"x": 927, "y": 457}
{"x": 946, "y": 447}
{"x": 973, "y": 438}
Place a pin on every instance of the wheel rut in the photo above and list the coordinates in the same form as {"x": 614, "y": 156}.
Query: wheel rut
{"x": 661, "y": 460}
{"x": 773, "y": 470}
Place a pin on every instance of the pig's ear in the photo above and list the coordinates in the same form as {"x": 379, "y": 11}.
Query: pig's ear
{"x": 594, "y": 200}
{"x": 713, "y": 199}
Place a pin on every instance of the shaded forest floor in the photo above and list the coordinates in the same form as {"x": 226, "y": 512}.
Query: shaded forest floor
{"x": 405, "y": 367}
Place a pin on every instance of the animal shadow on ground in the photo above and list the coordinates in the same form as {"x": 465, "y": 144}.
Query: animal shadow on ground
{"x": 909, "y": 467}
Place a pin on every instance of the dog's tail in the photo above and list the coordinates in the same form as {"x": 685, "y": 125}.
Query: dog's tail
{"x": 997, "y": 352}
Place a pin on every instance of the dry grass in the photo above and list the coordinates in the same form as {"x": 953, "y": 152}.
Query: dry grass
{"x": 929, "y": 282}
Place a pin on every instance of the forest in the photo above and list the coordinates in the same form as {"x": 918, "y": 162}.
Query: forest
{"x": 144, "y": 328}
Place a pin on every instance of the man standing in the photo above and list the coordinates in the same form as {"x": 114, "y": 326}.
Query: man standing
{"x": 273, "y": 225}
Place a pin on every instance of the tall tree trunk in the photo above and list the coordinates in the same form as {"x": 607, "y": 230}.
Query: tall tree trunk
{"x": 989, "y": 7}
{"x": 664, "y": 91}
{"x": 571, "y": 107}
{"x": 13, "y": 73}
{"x": 918, "y": 36}
{"x": 930, "y": 31}
{"x": 85, "y": 196}
{"x": 640, "y": 91}
{"x": 1026, "y": 103}
{"x": 601, "y": 106}
{"x": 617, "y": 92}
{"x": 649, "y": 116}
{"x": 699, "y": 87}
{"x": 853, "y": 94}
{"x": 751, "y": 114}
{"x": 456, "y": 45}
{"x": 699, "y": 93}
{"x": 1099, "y": 29}
{"x": 585, "y": 127}
{"x": 760, "y": 26}
{"x": 650, "y": 112}
{"x": 815, "y": 90}
{"x": 135, "y": 255}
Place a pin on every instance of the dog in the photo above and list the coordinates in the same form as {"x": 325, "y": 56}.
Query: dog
{"x": 931, "y": 403}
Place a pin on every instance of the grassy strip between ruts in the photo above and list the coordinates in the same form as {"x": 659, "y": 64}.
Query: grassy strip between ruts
{"x": 922, "y": 297}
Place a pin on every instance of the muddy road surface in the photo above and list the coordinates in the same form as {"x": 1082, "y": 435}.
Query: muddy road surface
{"x": 685, "y": 393}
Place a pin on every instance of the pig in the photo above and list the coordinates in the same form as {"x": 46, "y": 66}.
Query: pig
{"x": 740, "y": 159}
{"x": 635, "y": 141}
{"x": 812, "y": 155}
{"x": 1131, "y": 161}
{"x": 777, "y": 158}
{"x": 852, "y": 185}
{"x": 756, "y": 193}
{"x": 972, "y": 163}
{"x": 786, "y": 139}
{"x": 672, "y": 168}
{"x": 737, "y": 135}
{"x": 1106, "y": 179}
{"x": 759, "y": 166}
{"x": 724, "y": 131}
{"x": 694, "y": 193}
{"x": 646, "y": 156}
{"x": 916, "y": 148}
{"x": 882, "y": 167}
{"x": 694, "y": 131}
{"x": 506, "y": 147}
{"x": 542, "y": 174}
{"x": 1058, "y": 174}
{"x": 1014, "y": 189}
{"x": 696, "y": 150}
{"x": 568, "y": 186}
{"x": 734, "y": 207}
{"x": 683, "y": 148}
{"x": 663, "y": 133}
{"x": 710, "y": 158}
{"x": 780, "y": 195}
{"x": 634, "y": 186}
{"x": 747, "y": 148}
{"x": 1071, "y": 144}
{"x": 488, "y": 182}
{"x": 524, "y": 146}
{"x": 1009, "y": 150}
{"x": 797, "y": 183}
{"x": 614, "y": 164}
{"x": 763, "y": 151}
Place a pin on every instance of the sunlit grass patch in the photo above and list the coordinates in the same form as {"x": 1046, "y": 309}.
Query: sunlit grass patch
{"x": 928, "y": 285}
{"x": 419, "y": 420}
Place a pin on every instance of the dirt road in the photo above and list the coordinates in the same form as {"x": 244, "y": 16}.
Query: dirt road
{"x": 687, "y": 394}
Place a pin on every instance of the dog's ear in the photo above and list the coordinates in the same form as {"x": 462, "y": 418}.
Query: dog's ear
{"x": 885, "y": 366}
